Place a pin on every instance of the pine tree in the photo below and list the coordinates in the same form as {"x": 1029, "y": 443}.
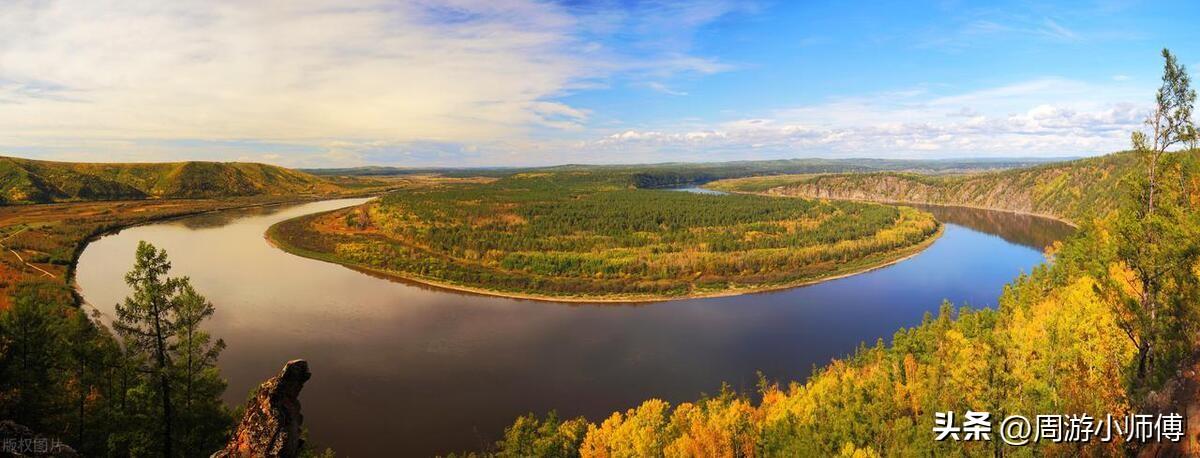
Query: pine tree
{"x": 203, "y": 416}
{"x": 147, "y": 320}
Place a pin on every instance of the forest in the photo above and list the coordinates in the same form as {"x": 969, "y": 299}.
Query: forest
{"x": 595, "y": 235}
{"x": 1105, "y": 327}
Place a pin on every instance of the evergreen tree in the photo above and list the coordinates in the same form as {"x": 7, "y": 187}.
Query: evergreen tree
{"x": 204, "y": 418}
{"x": 32, "y": 334}
{"x": 177, "y": 386}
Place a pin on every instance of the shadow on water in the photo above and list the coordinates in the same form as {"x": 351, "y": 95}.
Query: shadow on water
{"x": 1028, "y": 230}
{"x": 401, "y": 369}
{"x": 223, "y": 218}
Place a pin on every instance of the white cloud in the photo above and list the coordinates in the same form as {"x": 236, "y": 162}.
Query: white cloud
{"x": 78, "y": 75}
{"x": 1040, "y": 117}
{"x": 278, "y": 71}
{"x": 1053, "y": 29}
{"x": 471, "y": 82}
{"x": 660, "y": 87}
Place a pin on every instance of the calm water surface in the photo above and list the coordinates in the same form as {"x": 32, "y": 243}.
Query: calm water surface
{"x": 403, "y": 369}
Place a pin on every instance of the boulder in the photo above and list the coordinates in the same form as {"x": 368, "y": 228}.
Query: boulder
{"x": 271, "y": 424}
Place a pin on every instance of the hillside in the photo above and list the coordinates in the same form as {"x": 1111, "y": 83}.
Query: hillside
{"x": 1069, "y": 190}
{"x": 32, "y": 181}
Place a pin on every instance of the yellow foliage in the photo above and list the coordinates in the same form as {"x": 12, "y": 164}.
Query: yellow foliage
{"x": 1052, "y": 348}
{"x": 1069, "y": 349}
{"x": 1125, "y": 279}
{"x": 715, "y": 428}
{"x": 851, "y": 451}
{"x": 639, "y": 432}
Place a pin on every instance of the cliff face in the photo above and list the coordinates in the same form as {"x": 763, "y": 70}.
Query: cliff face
{"x": 1003, "y": 194}
{"x": 1071, "y": 190}
{"x": 271, "y": 425}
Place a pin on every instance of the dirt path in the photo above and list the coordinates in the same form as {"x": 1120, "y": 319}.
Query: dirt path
{"x": 18, "y": 255}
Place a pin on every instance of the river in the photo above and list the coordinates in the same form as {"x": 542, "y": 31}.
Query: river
{"x": 401, "y": 369}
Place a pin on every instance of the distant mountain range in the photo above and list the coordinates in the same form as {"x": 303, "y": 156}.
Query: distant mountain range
{"x": 33, "y": 181}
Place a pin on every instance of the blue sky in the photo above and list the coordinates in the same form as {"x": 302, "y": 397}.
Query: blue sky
{"x": 471, "y": 82}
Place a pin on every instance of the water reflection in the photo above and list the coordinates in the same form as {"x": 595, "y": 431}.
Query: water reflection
{"x": 698, "y": 190}
{"x": 223, "y": 218}
{"x": 408, "y": 370}
{"x": 1028, "y": 230}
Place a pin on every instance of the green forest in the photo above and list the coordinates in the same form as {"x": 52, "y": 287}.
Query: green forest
{"x": 595, "y": 235}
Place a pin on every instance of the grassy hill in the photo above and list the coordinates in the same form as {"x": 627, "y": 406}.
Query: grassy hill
{"x": 32, "y": 181}
{"x": 1070, "y": 190}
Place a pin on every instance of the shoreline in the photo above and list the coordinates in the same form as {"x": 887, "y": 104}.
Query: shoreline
{"x": 906, "y": 254}
{"x": 69, "y": 275}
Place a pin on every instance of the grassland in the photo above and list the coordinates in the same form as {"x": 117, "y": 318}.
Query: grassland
{"x": 594, "y": 236}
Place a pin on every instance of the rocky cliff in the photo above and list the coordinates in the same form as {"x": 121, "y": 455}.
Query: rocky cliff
{"x": 1072, "y": 190}
{"x": 271, "y": 424}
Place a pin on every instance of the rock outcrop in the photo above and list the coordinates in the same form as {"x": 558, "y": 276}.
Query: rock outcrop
{"x": 271, "y": 424}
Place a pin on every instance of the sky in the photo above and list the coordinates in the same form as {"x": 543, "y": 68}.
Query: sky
{"x": 419, "y": 83}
